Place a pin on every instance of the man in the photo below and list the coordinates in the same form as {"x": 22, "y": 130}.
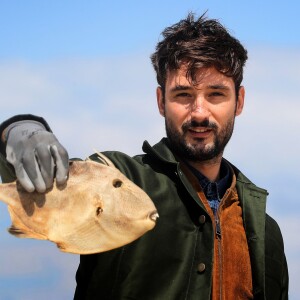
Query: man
{"x": 214, "y": 239}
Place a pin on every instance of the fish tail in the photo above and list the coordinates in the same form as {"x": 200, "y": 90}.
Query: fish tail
{"x": 19, "y": 229}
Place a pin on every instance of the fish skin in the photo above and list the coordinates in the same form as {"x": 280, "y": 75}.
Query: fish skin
{"x": 97, "y": 210}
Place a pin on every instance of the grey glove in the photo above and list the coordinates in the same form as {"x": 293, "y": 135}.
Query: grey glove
{"x": 36, "y": 155}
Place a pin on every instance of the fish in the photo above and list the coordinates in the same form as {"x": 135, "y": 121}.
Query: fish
{"x": 97, "y": 210}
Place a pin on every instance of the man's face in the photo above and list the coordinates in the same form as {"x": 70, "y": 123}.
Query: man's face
{"x": 199, "y": 118}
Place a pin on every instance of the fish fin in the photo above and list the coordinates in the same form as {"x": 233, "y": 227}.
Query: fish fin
{"x": 9, "y": 193}
{"x": 105, "y": 160}
{"x": 19, "y": 229}
{"x": 61, "y": 246}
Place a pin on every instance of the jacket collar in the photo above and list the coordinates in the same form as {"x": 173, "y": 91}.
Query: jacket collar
{"x": 161, "y": 151}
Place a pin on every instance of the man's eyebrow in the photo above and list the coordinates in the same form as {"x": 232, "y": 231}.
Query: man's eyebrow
{"x": 180, "y": 87}
{"x": 218, "y": 87}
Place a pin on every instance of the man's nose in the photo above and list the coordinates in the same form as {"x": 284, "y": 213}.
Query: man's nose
{"x": 199, "y": 108}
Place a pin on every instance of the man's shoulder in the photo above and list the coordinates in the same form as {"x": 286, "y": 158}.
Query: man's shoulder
{"x": 250, "y": 192}
{"x": 119, "y": 159}
{"x": 130, "y": 166}
{"x": 243, "y": 180}
{"x": 273, "y": 227}
{"x": 158, "y": 155}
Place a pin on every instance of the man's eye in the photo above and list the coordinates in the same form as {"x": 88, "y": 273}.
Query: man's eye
{"x": 216, "y": 94}
{"x": 183, "y": 95}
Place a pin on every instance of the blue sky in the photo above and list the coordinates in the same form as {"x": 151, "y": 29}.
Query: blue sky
{"x": 41, "y": 30}
{"x": 84, "y": 66}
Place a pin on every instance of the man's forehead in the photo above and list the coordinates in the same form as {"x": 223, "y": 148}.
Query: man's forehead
{"x": 203, "y": 76}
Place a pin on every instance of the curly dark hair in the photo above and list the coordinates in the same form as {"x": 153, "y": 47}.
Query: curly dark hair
{"x": 200, "y": 43}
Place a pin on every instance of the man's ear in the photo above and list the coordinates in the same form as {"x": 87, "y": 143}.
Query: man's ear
{"x": 240, "y": 101}
{"x": 160, "y": 100}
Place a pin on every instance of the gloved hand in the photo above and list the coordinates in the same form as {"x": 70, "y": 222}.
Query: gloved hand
{"x": 36, "y": 155}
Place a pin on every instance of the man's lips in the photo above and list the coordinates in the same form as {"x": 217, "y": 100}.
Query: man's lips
{"x": 200, "y": 129}
{"x": 200, "y": 132}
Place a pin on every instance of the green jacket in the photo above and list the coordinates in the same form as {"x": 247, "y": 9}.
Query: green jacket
{"x": 162, "y": 264}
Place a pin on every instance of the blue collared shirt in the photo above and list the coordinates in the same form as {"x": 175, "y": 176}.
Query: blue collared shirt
{"x": 214, "y": 191}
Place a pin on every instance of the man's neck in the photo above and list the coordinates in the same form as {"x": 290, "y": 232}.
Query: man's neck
{"x": 210, "y": 168}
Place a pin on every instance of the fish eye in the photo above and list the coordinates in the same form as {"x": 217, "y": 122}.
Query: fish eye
{"x": 99, "y": 210}
{"x": 117, "y": 183}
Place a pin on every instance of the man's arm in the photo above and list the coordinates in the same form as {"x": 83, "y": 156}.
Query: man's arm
{"x": 98, "y": 272}
{"x": 30, "y": 152}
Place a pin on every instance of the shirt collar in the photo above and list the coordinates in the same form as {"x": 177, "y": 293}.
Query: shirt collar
{"x": 217, "y": 189}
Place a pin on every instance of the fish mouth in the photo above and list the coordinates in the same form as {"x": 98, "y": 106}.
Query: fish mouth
{"x": 153, "y": 216}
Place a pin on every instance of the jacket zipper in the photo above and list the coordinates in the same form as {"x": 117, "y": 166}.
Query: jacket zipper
{"x": 218, "y": 235}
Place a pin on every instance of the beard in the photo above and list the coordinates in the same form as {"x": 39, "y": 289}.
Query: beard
{"x": 198, "y": 150}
